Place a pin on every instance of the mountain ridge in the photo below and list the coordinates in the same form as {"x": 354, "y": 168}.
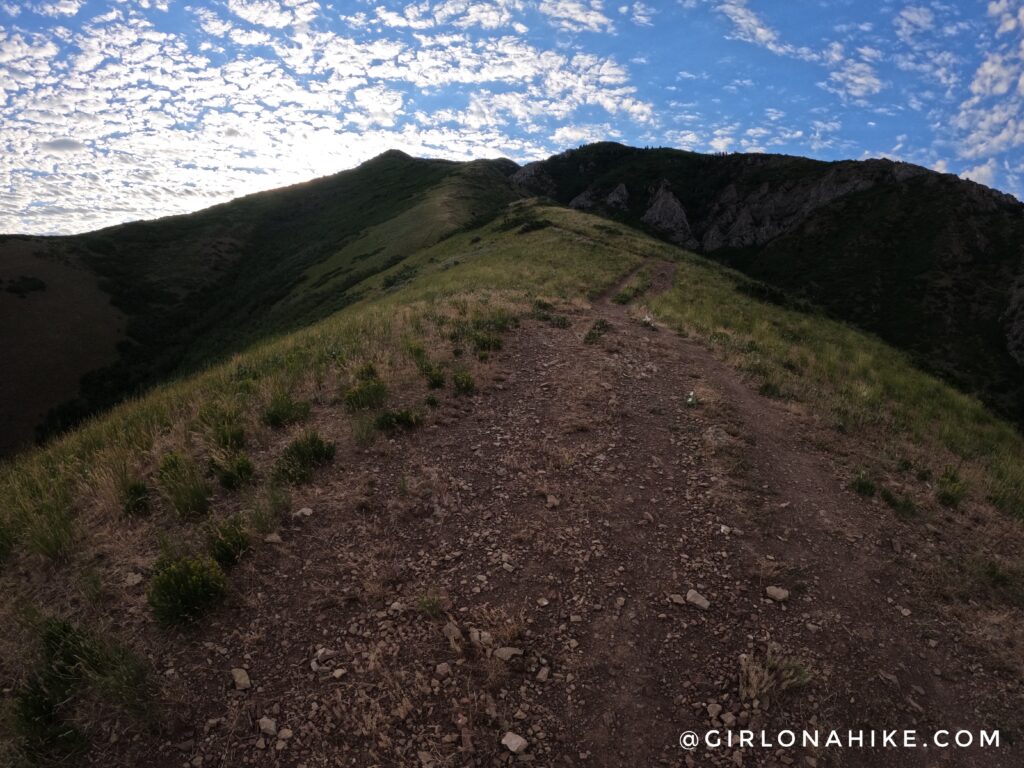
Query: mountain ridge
{"x": 937, "y": 272}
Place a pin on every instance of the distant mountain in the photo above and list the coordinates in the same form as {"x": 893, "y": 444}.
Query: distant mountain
{"x": 90, "y": 319}
{"x": 931, "y": 263}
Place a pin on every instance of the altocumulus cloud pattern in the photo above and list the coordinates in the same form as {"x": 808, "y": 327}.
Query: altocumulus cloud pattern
{"x": 114, "y": 110}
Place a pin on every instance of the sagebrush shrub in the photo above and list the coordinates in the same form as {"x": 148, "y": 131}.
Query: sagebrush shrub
{"x": 227, "y": 541}
{"x": 302, "y": 456}
{"x": 183, "y": 588}
{"x": 366, "y": 394}
{"x": 283, "y": 409}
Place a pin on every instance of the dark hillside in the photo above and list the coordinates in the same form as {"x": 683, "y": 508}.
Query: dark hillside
{"x": 929, "y": 262}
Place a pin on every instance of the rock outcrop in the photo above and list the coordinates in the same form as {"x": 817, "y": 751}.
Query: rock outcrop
{"x": 665, "y": 214}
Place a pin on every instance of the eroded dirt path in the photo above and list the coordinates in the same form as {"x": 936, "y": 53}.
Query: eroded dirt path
{"x": 522, "y": 564}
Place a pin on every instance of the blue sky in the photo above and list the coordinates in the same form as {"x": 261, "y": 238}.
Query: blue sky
{"x": 114, "y": 110}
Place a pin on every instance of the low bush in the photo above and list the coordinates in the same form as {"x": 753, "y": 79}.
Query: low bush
{"x": 463, "y": 383}
{"x": 227, "y": 541}
{"x": 365, "y": 395}
{"x": 302, "y": 456}
{"x": 283, "y": 409}
{"x": 392, "y": 420}
{"x": 183, "y": 588}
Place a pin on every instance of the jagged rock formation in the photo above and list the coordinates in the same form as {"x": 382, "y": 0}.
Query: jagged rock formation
{"x": 665, "y": 214}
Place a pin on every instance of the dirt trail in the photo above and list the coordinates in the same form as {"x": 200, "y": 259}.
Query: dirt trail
{"x": 558, "y": 519}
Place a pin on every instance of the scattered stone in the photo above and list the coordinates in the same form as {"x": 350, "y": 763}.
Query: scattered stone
{"x": 714, "y": 709}
{"x": 304, "y": 512}
{"x": 543, "y": 602}
{"x": 552, "y": 501}
{"x": 696, "y": 598}
{"x": 133, "y": 579}
{"x": 678, "y": 599}
{"x": 515, "y": 743}
{"x": 268, "y": 726}
{"x": 241, "y": 678}
{"x": 442, "y": 670}
{"x": 507, "y": 652}
{"x": 778, "y": 594}
{"x": 454, "y": 635}
{"x": 284, "y": 734}
{"x": 542, "y": 674}
{"x": 273, "y": 538}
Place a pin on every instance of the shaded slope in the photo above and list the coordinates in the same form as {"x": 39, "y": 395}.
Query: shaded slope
{"x": 647, "y": 443}
{"x": 197, "y": 287}
{"x": 931, "y": 263}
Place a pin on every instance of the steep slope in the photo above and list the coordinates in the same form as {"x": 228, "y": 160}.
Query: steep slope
{"x": 479, "y": 501}
{"x": 194, "y": 288}
{"x": 931, "y": 263}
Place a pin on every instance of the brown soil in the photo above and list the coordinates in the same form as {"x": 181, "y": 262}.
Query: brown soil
{"x": 559, "y": 512}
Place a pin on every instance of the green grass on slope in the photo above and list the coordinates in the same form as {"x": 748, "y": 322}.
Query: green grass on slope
{"x": 197, "y": 288}
{"x": 853, "y": 379}
{"x": 156, "y": 485}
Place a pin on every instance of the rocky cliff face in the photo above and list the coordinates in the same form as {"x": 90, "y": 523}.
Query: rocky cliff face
{"x": 665, "y": 214}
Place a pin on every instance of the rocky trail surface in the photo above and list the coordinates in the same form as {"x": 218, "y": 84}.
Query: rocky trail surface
{"x": 612, "y": 542}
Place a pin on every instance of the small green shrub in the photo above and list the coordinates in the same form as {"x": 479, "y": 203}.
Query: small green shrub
{"x": 365, "y": 395}
{"x": 366, "y": 372}
{"x": 392, "y": 420}
{"x": 770, "y": 389}
{"x": 227, "y": 541}
{"x": 183, "y": 486}
{"x": 902, "y": 504}
{"x": 302, "y": 456}
{"x": 951, "y": 488}
{"x": 134, "y": 498}
{"x": 224, "y": 426}
{"x": 267, "y": 507}
{"x": 863, "y": 485}
{"x": 433, "y": 373}
{"x": 283, "y": 409}
{"x": 560, "y": 321}
{"x": 233, "y": 470}
{"x": 597, "y": 330}
{"x": 431, "y": 402}
{"x": 183, "y": 588}
{"x": 1004, "y": 582}
{"x": 463, "y": 383}
{"x": 431, "y": 606}
{"x": 484, "y": 341}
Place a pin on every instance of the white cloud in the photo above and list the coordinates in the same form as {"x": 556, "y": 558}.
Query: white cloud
{"x": 264, "y": 13}
{"x": 58, "y": 7}
{"x": 913, "y": 20}
{"x": 583, "y": 134}
{"x": 61, "y": 145}
{"x": 175, "y": 121}
{"x": 751, "y": 28}
{"x": 855, "y": 78}
{"x": 983, "y": 174}
{"x": 996, "y": 75}
{"x": 577, "y": 15}
{"x": 640, "y": 14}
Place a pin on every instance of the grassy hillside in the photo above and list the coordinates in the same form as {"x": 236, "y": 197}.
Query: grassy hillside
{"x": 203, "y": 467}
{"x": 926, "y": 261}
{"x": 195, "y": 288}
